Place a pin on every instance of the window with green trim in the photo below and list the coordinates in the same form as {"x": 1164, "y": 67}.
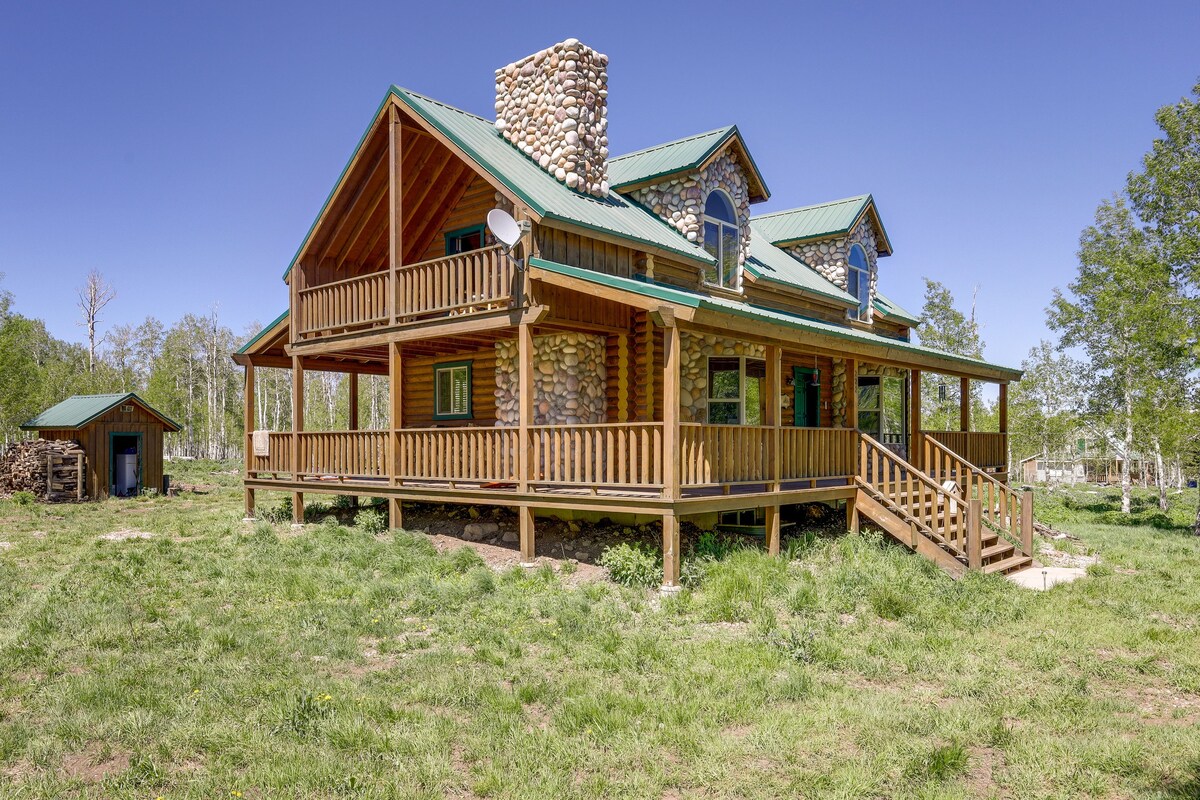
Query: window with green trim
{"x": 464, "y": 240}
{"x": 452, "y": 390}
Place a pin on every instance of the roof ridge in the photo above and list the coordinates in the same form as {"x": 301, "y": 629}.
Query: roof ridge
{"x": 435, "y": 101}
{"x": 671, "y": 143}
{"x": 855, "y": 198}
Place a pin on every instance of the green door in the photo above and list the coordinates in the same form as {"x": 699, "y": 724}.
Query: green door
{"x": 807, "y": 398}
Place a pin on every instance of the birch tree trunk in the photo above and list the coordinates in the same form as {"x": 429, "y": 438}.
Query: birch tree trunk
{"x": 1159, "y": 477}
{"x": 1126, "y": 480}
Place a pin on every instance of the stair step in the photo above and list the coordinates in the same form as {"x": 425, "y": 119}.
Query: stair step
{"x": 997, "y": 549}
{"x": 1008, "y": 565}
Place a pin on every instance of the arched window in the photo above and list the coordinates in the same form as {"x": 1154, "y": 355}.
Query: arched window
{"x": 722, "y": 239}
{"x": 858, "y": 279}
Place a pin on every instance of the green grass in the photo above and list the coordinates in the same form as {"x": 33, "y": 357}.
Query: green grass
{"x": 221, "y": 657}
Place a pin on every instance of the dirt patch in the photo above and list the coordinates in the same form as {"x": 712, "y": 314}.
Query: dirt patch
{"x": 1162, "y": 705}
{"x": 6, "y": 546}
{"x": 123, "y": 535}
{"x": 1051, "y": 556}
{"x": 92, "y": 767}
{"x": 981, "y": 774}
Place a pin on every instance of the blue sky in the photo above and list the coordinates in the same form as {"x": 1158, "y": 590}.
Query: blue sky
{"x": 184, "y": 149}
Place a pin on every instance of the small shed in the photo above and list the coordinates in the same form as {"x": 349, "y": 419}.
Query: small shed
{"x": 122, "y": 435}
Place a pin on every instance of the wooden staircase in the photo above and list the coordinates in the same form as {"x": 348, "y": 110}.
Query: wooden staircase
{"x": 956, "y": 515}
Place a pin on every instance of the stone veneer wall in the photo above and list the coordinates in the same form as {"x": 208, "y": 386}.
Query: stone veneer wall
{"x": 830, "y": 257}
{"x": 568, "y": 377}
{"x": 553, "y": 106}
{"x": 694, "y": 350}
{"x": 680, "y": 201}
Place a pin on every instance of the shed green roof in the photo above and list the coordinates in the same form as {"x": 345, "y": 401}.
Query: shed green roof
{"x": 818, "y": 221}
{"x": 76, "y": 412}
{"x": 680, "y": 155}
{"x": 491, "y": 152}
{"x": 691, "y": 299}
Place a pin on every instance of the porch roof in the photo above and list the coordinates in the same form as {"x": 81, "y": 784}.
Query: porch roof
{"x": 891, "y": 310}
{"x": 840, "y": 338}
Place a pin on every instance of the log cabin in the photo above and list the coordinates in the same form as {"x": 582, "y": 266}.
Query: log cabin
{"x": 650, "y": 346}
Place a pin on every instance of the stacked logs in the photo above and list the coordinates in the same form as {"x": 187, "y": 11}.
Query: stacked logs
{"x": 48, "y": 469}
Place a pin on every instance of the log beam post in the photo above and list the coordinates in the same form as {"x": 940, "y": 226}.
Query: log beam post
{"x": 773, "y": 416}
{"x": 974, "y": 533}
{"x": 772, "y": 530}
{"x": 525, "y": 356}
{"x": 248, "y": 412}
{"x": 916, "y": 440}
{"x": 395, "y": 424}
{"x": 395, "y": 212}
{"x": 964, "y": 404}
{"x": 528, "y": 546}
{"x": 297, "y": 429}
{"x": 671, "y": 365}
{"x": 671, "y": 554}
{"x": 1027, "y": 521}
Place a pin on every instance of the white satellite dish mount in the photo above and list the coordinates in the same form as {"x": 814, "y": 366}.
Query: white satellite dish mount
{"x": 508, "y": 231}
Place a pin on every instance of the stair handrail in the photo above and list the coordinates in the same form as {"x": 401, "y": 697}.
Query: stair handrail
{"x": 953, "y": 503}
{"x": 1010, "y": 522}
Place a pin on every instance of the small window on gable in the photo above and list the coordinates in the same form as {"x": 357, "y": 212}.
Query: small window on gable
{"x": 452, "y": 390}
{"x": 722, "y": 240}
{"x": 464, "y": 240}
{"x": 858, "y": 280}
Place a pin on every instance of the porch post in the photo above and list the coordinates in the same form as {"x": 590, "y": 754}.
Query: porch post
{"x": 395, "y": 423}
{"x": 297, "y": 429}
{"x": 975, "y": 533}
{"x": 774, "y": 355}
{"x": 525, "y": 462}
{"x": 670, "y": 534}
{"x": 353, "y": 397}
{"x": 395, "y": 213}
{"x": 964, "y": 404}
{"x": 1003, "y": 408}
{"x": 851, "y": 393}
{"x": 671, "y": 363}
{"x": 917, "y": 442}
{"x": 248, "y": 395}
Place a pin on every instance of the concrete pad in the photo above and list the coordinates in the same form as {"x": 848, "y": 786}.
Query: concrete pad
{"x": 1041, "y": 578}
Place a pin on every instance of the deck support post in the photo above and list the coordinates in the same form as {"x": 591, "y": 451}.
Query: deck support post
{"x": 528, "y": 546}
{"x": 772, "y": 530}
{"x": 395, "y": 212}
{"x": 248, "y": 397}
{"x": 525, "y": 356}
{"x": 774, "y": 392}
{"x": 671, "y": 554}
{"x": 671, "y": 365}
{"x": 1002, "y": 403}
{"x": 964, "y": 404}
{"x": 851, "y": 516}
{"x": 1027, "y": 521}
{"x": 851, "y": 420}
{"x": 395, "y": 423}
{"x": 297, "y": 429}
{"x": 352, "y": 415}
{"x": 916, "y": 442}
{"x": 974, "y": 533}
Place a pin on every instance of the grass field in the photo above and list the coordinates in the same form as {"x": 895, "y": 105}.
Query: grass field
{"x": 221, "y": 659}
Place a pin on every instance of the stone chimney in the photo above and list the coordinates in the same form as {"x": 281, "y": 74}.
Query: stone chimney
{"x": 553, "y": 105}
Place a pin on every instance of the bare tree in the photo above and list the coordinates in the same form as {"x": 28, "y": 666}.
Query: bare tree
{"x": 93, "y": 297}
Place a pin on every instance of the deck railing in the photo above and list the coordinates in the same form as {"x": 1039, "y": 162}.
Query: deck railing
{"x": 279, "y": 453}
{"x": 1005, "y": 511}
{"x": 818, "y": 453}
{"x": 458, "y": 454}
{"x": 480, "y": 280}
{"x": 466, "y": 283}
{"x": 986, "y": 450}
{"x": 343, "y": 454}
{"x": 598, "y": 455}
{"x": 628, "y": 455}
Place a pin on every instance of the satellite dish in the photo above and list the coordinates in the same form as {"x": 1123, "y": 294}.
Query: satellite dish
{"x": 504, "y": 228}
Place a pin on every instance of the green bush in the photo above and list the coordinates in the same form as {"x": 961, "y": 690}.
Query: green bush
{"x": 280, "y": 513}
{"x": 24, "y": 499}
{"x": 633, "y": 564}
{"x": 371, "y": 521}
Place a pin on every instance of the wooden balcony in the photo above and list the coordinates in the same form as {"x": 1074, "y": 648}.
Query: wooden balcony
{"x": 468, "y": 283}
{"x": 986, "y": 450}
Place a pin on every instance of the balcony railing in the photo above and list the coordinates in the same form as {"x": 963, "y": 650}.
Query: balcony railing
{"x": 467, "y": 283}
{"x": 605, "y": 455}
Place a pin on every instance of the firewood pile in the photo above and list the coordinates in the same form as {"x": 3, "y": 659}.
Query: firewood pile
{"x": 52, "y": 470}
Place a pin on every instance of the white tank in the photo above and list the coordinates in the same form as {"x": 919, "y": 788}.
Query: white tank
{"x": 126, "y": 477}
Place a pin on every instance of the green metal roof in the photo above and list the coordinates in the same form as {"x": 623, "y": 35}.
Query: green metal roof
{"x": 815, "y": 222}
{"x": 677, "y": 156}
{"x": 690, "y": 299}
{"x": 771, "y": 263}
{"x": 483, "y": 144}
{"x": 255, "y": 339}
{"x": 890, "y": 309}
{"x": 78, "y": 411}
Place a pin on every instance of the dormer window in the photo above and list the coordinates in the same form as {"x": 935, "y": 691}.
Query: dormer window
{"x": 722, "y": 240}
{"x": 858, "y": 280}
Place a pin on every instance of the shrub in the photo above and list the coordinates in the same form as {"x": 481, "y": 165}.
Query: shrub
{"x": 795, "y": 644}
{"x": 371, "y": 521}
{"x": 24, "y": 499}
{"x": 280, "y": 513}
{"x": 633, "y": 564}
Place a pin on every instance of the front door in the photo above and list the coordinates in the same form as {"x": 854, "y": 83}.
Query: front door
{"x": 807, "y": 399}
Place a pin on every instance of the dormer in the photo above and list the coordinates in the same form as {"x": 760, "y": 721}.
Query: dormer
{"x": 842, "y": 240}
{"x": 703, "y": 187}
